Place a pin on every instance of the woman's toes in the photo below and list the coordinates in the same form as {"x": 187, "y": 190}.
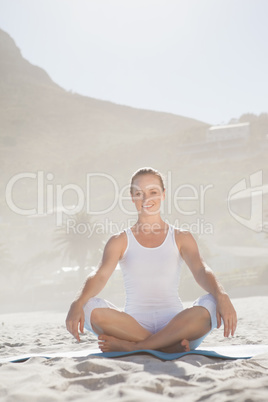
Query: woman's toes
{"x": 102, "y": 337}
{"x": 185, "y": 345}
{"x": 102, "y": 346}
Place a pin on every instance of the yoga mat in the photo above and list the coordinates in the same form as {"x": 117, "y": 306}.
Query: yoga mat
{"x": 223, "y": 352}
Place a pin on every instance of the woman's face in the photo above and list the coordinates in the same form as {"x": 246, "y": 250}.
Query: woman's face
{"x": 147, "y": 194}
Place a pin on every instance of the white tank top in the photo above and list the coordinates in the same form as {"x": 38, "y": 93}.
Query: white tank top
{"x": 151, "y": 275}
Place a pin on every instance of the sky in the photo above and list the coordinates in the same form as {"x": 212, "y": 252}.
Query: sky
{"x": 204, "y": 59}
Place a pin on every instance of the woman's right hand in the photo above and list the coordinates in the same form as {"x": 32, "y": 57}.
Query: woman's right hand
{"x": 75, "y": 319}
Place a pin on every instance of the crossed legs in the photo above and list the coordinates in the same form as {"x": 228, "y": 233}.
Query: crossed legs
{"x": 119, "y": 331}
{"x": 118, "y": 324}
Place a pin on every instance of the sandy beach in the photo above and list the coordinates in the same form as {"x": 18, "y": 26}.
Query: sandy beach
{"x": 131, "y": 378}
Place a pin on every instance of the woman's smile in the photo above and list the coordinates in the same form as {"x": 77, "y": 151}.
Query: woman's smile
{"x": 148, "y": 206}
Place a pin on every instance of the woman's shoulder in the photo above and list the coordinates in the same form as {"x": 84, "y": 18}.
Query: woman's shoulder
{"x": 180, "y": 231}
{"x": 182, "y": 235}
{"x": 117, "y": 243}
{"x": 118, "y": 237}
{"x": 184, "y": 239}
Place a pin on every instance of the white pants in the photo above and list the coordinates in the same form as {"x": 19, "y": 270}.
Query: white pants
{"x": 156, "y": 320}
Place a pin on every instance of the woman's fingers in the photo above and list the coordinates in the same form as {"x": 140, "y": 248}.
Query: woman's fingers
{"x": 82, "y": 322}
{"x": 226, "y": 328}
{"x": 75, "y": 319}
{"x": 72, "y": 327}
{"x": 75, "y": 331}
{"x": 230, "y": 324}
{"x": 226, "y": 311}
{"x": 234, "y": 325}
{"x": 218, "y": 319}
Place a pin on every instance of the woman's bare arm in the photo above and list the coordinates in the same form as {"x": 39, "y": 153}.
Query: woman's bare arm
{"x": 95, "y": 283}
{"x": 205, "y": 277}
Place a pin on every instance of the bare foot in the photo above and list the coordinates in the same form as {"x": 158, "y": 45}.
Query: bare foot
{"x": 180, "y": 347}
{"x": 111, "y": 344}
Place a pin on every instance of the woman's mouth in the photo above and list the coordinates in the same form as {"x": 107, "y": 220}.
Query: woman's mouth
{"x": 147, "y": 206}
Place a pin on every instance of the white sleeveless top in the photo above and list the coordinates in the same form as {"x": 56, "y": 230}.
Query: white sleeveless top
{"x": 151, "y": 275}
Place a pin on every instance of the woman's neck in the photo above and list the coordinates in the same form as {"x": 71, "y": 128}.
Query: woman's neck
{"x": 150, "y": 223}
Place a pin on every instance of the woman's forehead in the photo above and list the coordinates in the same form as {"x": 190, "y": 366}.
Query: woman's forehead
{"x": 147, "y": 181}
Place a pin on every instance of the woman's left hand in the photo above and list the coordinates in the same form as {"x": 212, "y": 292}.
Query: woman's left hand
{"x": 226, "y": 312}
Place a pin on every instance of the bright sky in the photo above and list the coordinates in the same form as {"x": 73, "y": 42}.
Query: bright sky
{"x": 206, "y": 59}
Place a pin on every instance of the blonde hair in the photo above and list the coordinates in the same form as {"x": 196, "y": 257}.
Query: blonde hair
{"x": 147, "y": 170}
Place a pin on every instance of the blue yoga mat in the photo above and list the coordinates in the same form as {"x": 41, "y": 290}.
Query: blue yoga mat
{"x": 223, "y": 352}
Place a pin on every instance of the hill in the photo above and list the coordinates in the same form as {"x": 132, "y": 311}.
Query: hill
{"x": 45, "y": 127}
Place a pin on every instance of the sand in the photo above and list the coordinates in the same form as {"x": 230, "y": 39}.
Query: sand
{"x": 131, "y": 378}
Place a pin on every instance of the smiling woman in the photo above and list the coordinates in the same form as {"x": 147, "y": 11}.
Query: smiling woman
{"x": 150, "y": 255}
{"x": 147, "y": 190}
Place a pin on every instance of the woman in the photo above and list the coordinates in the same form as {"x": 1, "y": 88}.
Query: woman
{"x": 150, "y": 255}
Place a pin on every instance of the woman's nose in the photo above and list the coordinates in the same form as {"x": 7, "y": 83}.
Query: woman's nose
{"x": 146, "y": 197}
